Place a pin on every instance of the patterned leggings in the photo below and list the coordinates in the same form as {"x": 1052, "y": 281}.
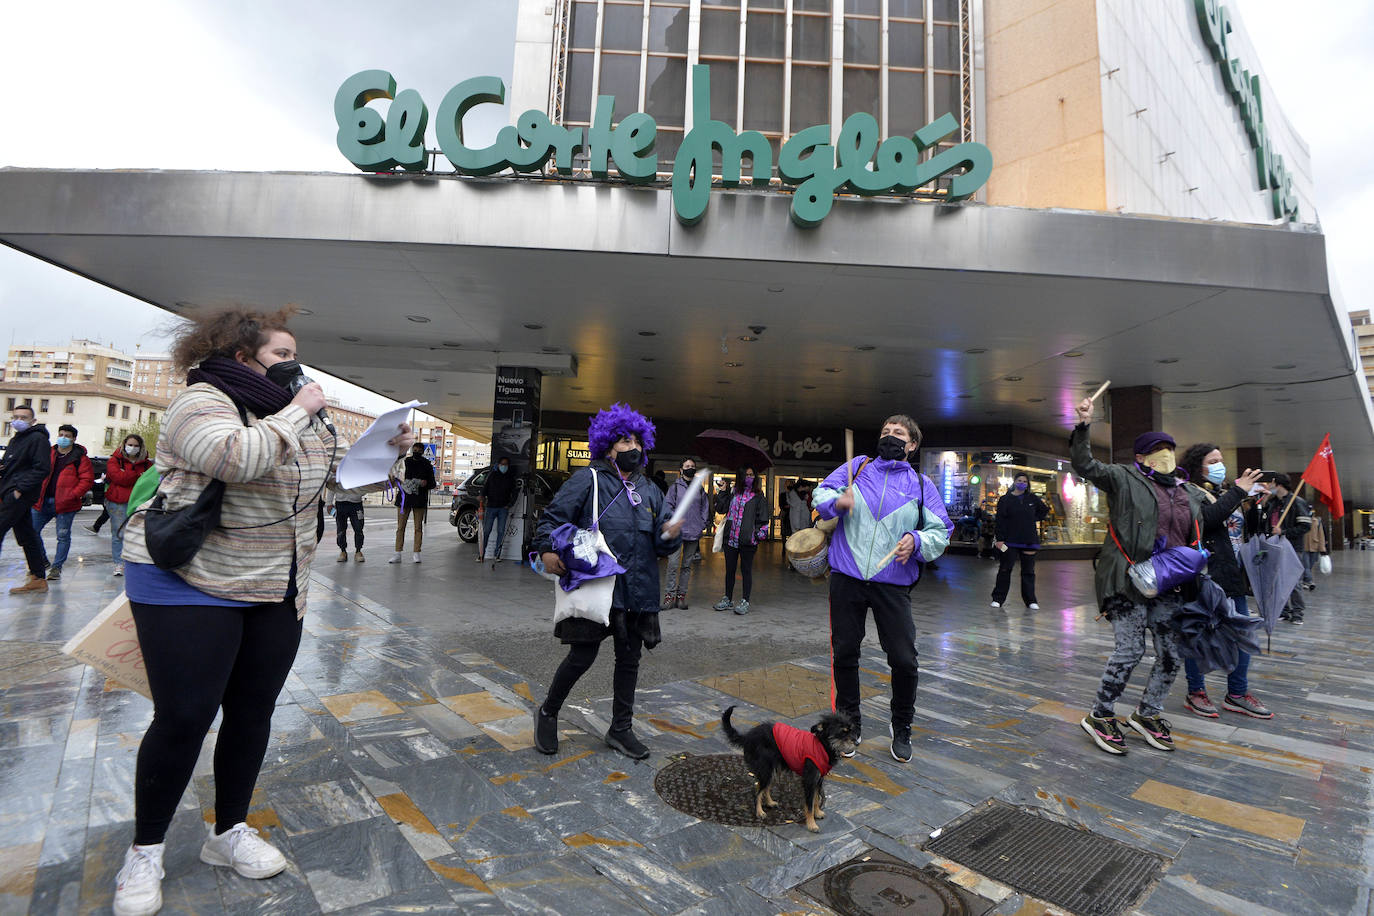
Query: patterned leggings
{"x": 1129, "y": 623}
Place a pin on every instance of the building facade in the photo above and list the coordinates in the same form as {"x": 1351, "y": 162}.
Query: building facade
{"x": 102, "y": 414}
{"x": 79, "y": 362}
{"x": 156, "y": 375}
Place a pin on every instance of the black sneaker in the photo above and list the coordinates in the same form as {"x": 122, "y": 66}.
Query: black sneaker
{"x": 901, "y": 743}
{"x": 545, "y": 732}
{"x": 858, "y": 739}
{"x": 626, "y": 742}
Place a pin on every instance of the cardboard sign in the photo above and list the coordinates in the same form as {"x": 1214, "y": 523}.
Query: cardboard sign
{"x": 109, "y": 644}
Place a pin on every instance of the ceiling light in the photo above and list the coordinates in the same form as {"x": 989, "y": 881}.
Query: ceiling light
{"x": 963, "y": 397}
{"x": 775, "y": 289}
{"x": 548, "y": 349}
{"x": 832, "y": 371}
{"x": 733, "y": 365}
{"x": 864, "y": 348}
{"x": 1187, "y": 407}
{"x": 351, "y": 339}
{"x": 647, "y": 378}
{"x": 722, "y": 382}
{"x": 1278, "y": 388}
{"x": 456, "y": 394}
{"x": 923, "y": 374}
{"x": 1071, "y": 354}
{"x": 887, "y": 391}
{"x": 418, "y": 319}
{"x": 388, "y": 391}
{"x": 1188, "y": 384}
{"x": 648, "y": 333}
{"x": 355, "y": 376}
{"x": 301, "y": 311}
{"x": 1283, "y": 399}
{"x": 1093, "y": 384}
{"x": 429, "y": 380}
{"x": 860, "y": 404}
{"x": 575, "y": 387}
{"x": 450, "y": 343}
{"x": 646, "y": 359}
{"x": 976, "y": 350}
{"x": 534, "y": 327}
{"x": 747, "y": 338}
{"x": 1285, "y": 366}
{"x": 809, "y": 387}
{"x": 1034, "y": 400}
{"x": 1168, "y": 360}
{"x": 1011, "y": 378}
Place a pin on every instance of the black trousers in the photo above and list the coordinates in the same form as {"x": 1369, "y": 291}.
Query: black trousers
{"x": 17, "y": 516}
{"x": 744, "y": 556}
{"x": 200, "y": 658}
{"x": 345, "y": 514}
{"x": 623, "y": 681}
{"x": 850, "y": 600}
{"x": 1003, "y": 584}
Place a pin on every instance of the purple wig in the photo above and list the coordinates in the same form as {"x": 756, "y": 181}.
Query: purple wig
{"x": 618, "y": 420}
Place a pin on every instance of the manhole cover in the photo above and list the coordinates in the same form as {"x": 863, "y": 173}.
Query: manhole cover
{"x": 878, "y": 883}
{"x": 1074, "y": 868}
{"x": 720, "y": 788}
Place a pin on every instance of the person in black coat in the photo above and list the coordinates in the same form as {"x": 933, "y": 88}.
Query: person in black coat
{"x": 1018, "y": 536}
{"x": 746, "y": 524}
{"x": 633, "y": 520}
{"x": 27, "y": 461}
{"x": 1220, "y": 536}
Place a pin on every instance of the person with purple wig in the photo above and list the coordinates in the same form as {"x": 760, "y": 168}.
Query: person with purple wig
{"x": 633, "y": 518}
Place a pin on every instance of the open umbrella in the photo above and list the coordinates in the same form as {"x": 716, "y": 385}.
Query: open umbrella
{"x": 1274, "y": 570}
{"x": 1211, "y": 631}
{"x": 729, "y": 449}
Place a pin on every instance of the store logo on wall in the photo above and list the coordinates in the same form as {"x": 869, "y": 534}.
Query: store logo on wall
{"x": 797, "y": 449}
{"x": 856, "y": 164}
{"x": 1244, "y": 87}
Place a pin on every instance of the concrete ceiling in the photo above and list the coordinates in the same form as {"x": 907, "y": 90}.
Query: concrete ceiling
{"x": 874, "y": 311}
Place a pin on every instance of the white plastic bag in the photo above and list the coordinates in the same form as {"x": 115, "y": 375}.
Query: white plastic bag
{"x": 718, "y": 544}
{"x": 1324, "y": 564}
{"x": 592, "y": 599}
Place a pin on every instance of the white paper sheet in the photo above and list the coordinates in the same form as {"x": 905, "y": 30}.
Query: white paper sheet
{"x": 370, "y": 459}
{"x": 693, "y": 491}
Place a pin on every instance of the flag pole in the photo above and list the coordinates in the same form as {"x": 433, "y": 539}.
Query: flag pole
{"x": 1292, "y": 498}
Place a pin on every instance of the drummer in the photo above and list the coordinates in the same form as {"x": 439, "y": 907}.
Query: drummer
{"x": 894, "y": 519}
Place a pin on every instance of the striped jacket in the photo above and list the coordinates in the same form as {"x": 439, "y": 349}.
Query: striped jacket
{"x": 272, "y": 467}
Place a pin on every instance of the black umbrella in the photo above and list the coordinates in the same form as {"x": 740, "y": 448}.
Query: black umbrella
{"x": 729, "y": 449}
{"x": 1274, "y": 570}
{"x": 1211, "y": 631}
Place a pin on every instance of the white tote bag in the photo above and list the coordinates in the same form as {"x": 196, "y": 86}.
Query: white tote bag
{"x": 592, "y": 599}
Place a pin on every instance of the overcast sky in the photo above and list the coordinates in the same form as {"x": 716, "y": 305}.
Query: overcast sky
{"x": 249, "y": 85}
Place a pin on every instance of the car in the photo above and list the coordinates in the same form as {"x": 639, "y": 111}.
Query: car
{"x": 95, "y": 496}
{"x": 462, "y": 512}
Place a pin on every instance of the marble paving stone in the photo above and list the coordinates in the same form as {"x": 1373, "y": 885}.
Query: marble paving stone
{"x": 292, "y": 725}
{"x": 112, "y": 788}
{"x": 444, "y": 723}
{"x": 422, "y": 900}
{"x": 19, "y": 869}
{"x": 497, "y": 691}
{"x": 633, "y": 805}
{"x": 712, "y": 855}
{"x": 358, "y": 863}
{"x": 561, "y": 811}
{"x": 423, "y": 837}
{"x": 56, "y": 888}
{"x": 499, "y": 842}
{"x": 548, "y": 886}
{"x": 513, "y": 734}
{"x": 482, "y": 707}
{"x": 65, "y": 834}
{"x": 643, "y": 875}
{"x": 307, "y": 808}
{"x": 464, "y": 887}
{"x": 307, "y": 763}
{"x": 355, "y": 707}
{"x": 733, "y": 900}
{"x": 779, "y": 880}
{"x": 402, "y": 751}
{"x": 448, "y": 792}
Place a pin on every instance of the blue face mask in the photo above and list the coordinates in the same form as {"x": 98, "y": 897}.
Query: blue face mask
{"x": 19, "y": 426}
{"x": 64, "y": 442}
{"x": 503, "y": 468}
{"x": 1216, "y": 473}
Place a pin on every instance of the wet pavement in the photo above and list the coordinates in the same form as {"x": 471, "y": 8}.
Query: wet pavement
{"x": 401, "y": 776}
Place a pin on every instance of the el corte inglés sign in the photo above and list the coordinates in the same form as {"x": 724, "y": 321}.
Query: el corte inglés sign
{"x": 857, "y": 163}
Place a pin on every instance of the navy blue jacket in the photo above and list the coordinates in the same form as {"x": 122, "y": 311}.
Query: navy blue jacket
{"x": 632, "y": 532}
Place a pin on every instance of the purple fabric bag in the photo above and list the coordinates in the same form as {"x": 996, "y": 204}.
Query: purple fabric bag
{"x": 1167, "y": 568}
{"x": 580, "y": 550}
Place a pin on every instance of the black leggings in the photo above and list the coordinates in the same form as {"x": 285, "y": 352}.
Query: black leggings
{"x": 200, "y": 658}
{"x": 745, "y": 556}
{"x": 624, "y": 680}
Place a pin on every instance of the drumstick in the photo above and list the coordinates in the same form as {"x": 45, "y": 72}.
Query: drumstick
{"x": 1098, "y": 393}
{"x": 849, "y": 455}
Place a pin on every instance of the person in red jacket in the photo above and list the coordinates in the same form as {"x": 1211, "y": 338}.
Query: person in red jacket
{"x": 121, "y": 473}
{"x": 70, "y": 476}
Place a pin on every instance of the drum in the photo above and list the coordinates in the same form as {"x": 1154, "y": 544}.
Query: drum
{"x": 807, "y": 551}
{"x": 828, "y": 525}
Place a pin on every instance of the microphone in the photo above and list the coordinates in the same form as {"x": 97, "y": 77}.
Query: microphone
{"x": 299, "y": 381}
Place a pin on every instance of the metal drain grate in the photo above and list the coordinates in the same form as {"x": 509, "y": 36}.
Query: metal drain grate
{"x": 1085, "y": 873}
{"x": 720, "y": 788}
{"x": 875, "y": 882}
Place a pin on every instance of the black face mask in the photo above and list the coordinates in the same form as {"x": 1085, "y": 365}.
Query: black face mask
{"x": 284, "y": 373}
{"x": 688, "y": 473}
{"x": 891, "y": 448}
{"x": 628, "y": 461}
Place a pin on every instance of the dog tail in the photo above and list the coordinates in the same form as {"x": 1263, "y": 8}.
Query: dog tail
{"x": 731, "y": 735}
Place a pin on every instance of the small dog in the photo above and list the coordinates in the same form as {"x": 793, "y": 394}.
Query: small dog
{"x": 771, "y": 746}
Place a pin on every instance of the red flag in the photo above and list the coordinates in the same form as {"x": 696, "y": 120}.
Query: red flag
{"x": 1321, "y": 474}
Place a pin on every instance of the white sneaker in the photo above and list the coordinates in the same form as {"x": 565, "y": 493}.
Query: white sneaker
{"x": 415, "y": 557}
{"x": 119, "y": 569}
{"x": 395, "y": 557}
{"x": 138, "y": 886}
{"x": 996, "y": 604}
{"x": 242, "y": 849}
{"x": 1034, "y": 607}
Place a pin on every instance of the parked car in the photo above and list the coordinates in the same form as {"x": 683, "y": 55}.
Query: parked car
{"x": 462, "y": 513}
{"x": 95, "y": 496}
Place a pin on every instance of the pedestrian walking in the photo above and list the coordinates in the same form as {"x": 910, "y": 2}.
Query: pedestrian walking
{"x": 633, "y": 516}
{"x": 26, "y": 463}
{"x": 122, "y": 471}
{"x": 1148, "y": 503}
{"x": 892, "y": 520}
{"x": 1206, "y": 468}
{"x": 219, "y": 633}
{"x": 746, "y": 526}
{"x": 412, "y": 500}
{"x": 679, "y": 577}
{"x": 1017, "y": 536}
{"x": 1295, "y": 526}
{"x": 71, "y": 476}
{"x": 498, "y": 491}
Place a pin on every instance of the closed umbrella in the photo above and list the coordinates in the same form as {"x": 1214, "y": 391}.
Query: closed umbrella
{"x": 1212, "y": 632}
{"x": 1274, "y": 570}
{"x": 729, "y": 449}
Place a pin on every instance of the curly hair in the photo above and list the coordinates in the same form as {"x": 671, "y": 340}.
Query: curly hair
{"x": 618, "y": 420}
{"x": 1191, "y": 462}
{"x": 226, "y": 333}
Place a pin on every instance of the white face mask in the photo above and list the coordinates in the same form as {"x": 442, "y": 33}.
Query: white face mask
{"x": 132, "y": 450}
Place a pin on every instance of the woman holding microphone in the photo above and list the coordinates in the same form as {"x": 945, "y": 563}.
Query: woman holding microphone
{"x": 221, "y": 630}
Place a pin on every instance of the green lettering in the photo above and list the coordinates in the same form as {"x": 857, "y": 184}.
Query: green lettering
{"x": 632, "y": 148}
{"x": 692, "y": 167}
{"x": 449, "y": 125}
{"x": 362, "y": 132}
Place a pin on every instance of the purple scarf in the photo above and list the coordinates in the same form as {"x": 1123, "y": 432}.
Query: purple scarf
{"x": 246, "y": 387}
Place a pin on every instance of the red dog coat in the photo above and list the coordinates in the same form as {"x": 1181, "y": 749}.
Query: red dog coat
{"x": 799, "y": 746}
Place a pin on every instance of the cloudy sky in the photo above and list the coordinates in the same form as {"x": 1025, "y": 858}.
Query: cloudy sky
{"x": 248, "y": 85}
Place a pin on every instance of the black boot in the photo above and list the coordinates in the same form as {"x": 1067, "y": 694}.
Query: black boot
{"x": 626, "y": 742}
{"x": 545, "y": 731}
